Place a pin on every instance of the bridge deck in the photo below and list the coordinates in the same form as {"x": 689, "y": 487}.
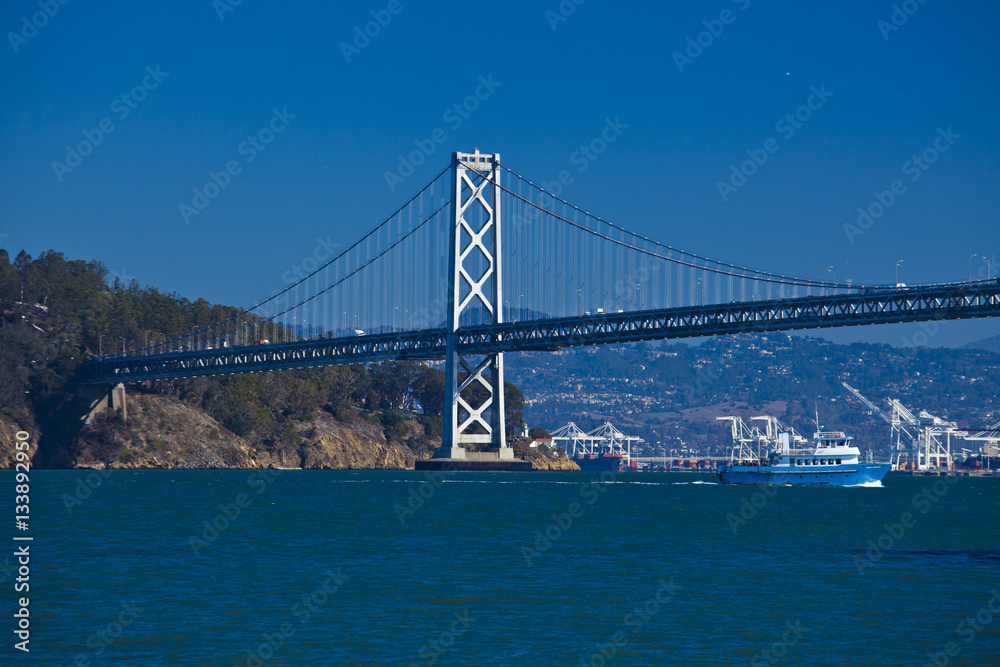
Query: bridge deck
{"x": 913, "y": 304}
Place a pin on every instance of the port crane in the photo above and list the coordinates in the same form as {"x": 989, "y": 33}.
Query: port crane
{"x": 989, "y": 439}
{"x": 577, "y": 441}
{"x": 924, "y": 435}
{"x": 605, "y": 439}
{"x": 615, "y": 441}
{"x": 748, "y": 439}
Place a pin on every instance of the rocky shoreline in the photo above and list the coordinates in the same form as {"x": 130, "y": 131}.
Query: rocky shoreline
{"x": 163, "y": 432}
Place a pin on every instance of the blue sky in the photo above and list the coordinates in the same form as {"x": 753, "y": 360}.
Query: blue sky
{"x": 201, "y": 78}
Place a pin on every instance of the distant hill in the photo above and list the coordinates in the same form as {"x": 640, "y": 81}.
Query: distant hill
{"x": 671, "y": 394}
{"x": 992, "y": 344}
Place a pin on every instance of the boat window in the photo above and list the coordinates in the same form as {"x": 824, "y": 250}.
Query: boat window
{"x": 814, "y": 462}
{"x": 838, "y": 461}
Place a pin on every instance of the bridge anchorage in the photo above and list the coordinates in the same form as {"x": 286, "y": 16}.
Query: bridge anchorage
{"x": 481, "y": 261}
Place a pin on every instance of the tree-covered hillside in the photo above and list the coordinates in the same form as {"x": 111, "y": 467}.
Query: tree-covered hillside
{"x": 57, "y": 312}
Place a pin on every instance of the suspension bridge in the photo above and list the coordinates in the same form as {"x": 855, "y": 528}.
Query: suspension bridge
{"x": 482, "y": 261}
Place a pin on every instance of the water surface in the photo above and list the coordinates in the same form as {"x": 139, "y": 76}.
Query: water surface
{"x": 399, "y": 568}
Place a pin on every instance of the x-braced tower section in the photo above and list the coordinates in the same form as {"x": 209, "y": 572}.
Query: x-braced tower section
{"x": 474, "y": 284}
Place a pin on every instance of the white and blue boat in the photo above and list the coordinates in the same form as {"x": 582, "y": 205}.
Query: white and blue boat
{"x": 831, "y": 460}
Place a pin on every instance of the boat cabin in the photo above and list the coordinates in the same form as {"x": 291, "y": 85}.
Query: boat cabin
{"x": 830, "y": 448}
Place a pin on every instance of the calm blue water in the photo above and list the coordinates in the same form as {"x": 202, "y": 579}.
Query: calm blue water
{"x": 318, "y": 568}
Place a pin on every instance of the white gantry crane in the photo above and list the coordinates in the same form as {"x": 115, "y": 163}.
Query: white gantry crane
{"x": 605, "y": 439}
{"x": 748, "y": 440}
{"x": 988, "y": 439}
{"x": 616, "y": 442}
{"x": 925, "y": 436}
{"x": 576, "y": 440}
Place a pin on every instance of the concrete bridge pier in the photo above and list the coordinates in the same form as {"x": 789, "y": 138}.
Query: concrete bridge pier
{"x": 102, "y": 397}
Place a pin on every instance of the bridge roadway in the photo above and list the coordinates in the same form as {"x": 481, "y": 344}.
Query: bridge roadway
{"x": 869, "y": 306}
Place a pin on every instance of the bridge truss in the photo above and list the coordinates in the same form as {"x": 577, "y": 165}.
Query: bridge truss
{"x": 914, "y": 304}
{"x": 481, "y": 261}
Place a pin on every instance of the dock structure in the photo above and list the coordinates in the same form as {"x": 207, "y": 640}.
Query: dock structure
{"x": 605, "y": 439}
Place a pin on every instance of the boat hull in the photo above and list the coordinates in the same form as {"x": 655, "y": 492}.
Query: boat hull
{"x": 843, "y": 475}
{"x": 599, "y": 463}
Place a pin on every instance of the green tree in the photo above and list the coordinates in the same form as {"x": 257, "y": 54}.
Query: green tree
{"x": 392, "y": 382}
{"x": 428, "y": 390}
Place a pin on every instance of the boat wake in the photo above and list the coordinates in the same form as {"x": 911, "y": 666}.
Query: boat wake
{"x": 877, "y": 484}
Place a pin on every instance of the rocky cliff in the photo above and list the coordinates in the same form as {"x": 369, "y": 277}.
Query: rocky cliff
{"x": 8, "y": 443}
{"x": 548, "y": 460}
{"x": 164, "y": 432}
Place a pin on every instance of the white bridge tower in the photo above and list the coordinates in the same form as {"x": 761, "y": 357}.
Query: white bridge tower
{"x": 475, "y": 283}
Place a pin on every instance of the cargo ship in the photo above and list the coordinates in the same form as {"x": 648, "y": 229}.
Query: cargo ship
{"x": 603, "y": 449}
{"x": 599, "y": 462}
{"x": 831, "y": 460}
